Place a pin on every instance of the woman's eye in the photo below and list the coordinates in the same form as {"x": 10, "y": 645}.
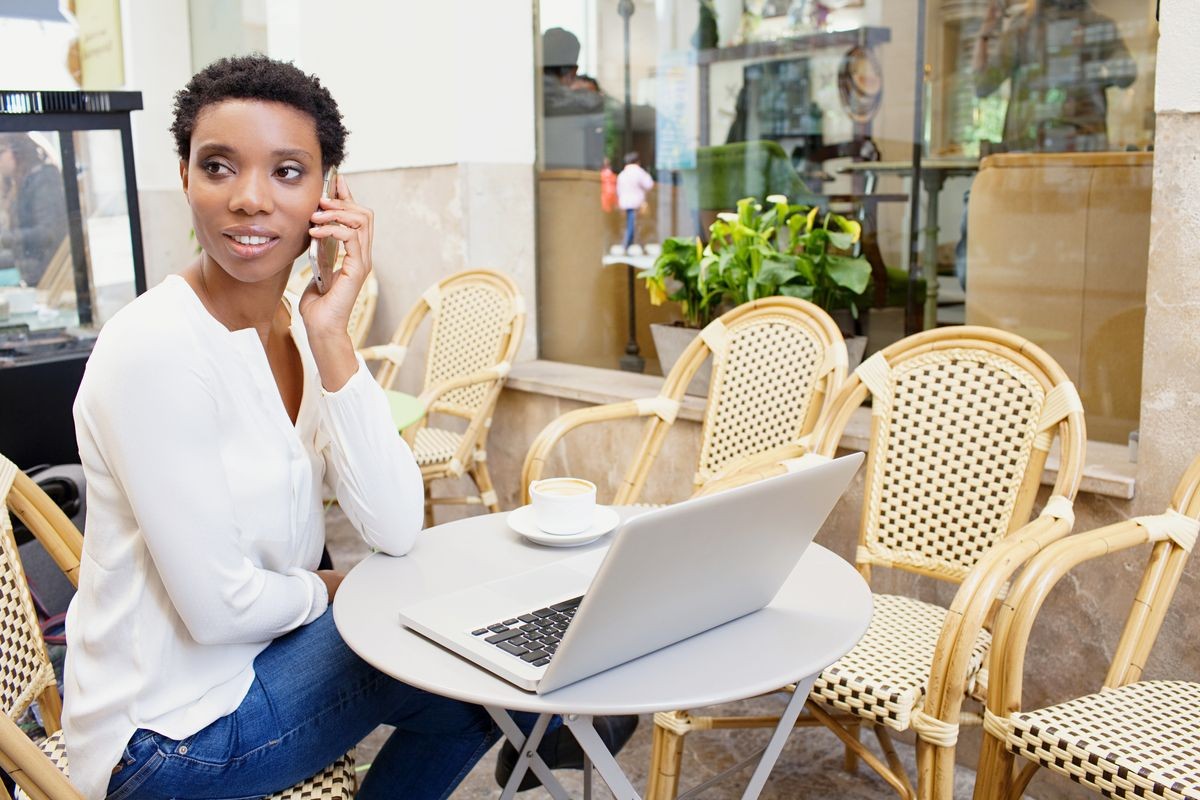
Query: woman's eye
{"x": 213, "y": 167}
{"x": 288, "y": 173}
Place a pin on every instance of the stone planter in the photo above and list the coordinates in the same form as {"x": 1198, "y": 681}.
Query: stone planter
{"x": 856, "y": 345}
{"x": 671, "y": 341}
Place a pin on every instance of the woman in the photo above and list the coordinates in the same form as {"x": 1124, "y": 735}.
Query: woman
{"x": 203, "y": 660}
{"x": 37, "y": 208}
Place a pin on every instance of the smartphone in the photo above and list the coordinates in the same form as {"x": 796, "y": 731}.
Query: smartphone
{"x": 322, "y": 253}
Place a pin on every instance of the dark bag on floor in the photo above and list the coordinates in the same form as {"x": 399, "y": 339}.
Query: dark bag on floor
{"x": 52, "y": 592}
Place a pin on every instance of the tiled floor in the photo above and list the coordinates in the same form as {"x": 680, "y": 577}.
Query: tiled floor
{"x": 810, "y": 767}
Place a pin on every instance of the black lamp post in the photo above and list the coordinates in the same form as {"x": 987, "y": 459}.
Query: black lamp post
{"x": 632, "y": 361}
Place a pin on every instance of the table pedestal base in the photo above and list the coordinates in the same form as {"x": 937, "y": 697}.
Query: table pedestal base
{"x": 597, "y": 755}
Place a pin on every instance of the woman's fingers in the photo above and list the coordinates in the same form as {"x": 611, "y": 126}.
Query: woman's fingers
{"x": 345, "y": 220}
{"x": 356, "y": 241}
{"x": 343, "y": 189}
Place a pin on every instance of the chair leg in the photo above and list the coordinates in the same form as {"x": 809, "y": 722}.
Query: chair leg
{"x": 666, "y": 754}
{"x": 941, "y": 783}
{"x": 897, "y": 782}
{"x": 483, "y": 481}
{"x": 850, "y": 761}
{"x": 994, "y": 774}
{"x": 1022, "y": 779}
{"x": 935, "y": 774}
{"x": 893, "y": 760}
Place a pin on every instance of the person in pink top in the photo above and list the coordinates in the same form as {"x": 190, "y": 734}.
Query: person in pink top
{"x": 632, "y": 185}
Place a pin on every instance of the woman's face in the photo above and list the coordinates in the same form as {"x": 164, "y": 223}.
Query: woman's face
{"x": 253, "y": 179}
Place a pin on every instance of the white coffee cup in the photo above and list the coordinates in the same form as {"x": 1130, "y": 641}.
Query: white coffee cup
{"x": 563, "y": 505}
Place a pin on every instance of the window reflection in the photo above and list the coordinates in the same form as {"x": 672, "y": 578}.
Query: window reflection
{"x": 49, "y": 277}
{"x": 1033, "y": 218}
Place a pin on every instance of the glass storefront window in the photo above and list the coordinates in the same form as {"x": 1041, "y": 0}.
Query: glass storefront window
{"x": 1032, "y": 123}
{"x": 41, "y": 287}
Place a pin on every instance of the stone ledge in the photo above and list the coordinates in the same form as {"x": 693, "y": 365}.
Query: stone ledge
{"x": 1107, "y": 471}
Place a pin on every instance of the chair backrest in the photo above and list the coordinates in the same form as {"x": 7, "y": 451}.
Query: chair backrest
{"x": 363, "y": 312}
{"x": 25, "y": 669}
{"x": 1160, "y": 579}
{"x": 962, "y": 421}
{"x": 1172, "y": 534}
{"x": 478, "y": 318}
{"x": 777, "y": 363}
{"x": 26, "y": 673}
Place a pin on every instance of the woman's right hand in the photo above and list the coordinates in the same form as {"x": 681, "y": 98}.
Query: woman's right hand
{"x": 332, "y": 580}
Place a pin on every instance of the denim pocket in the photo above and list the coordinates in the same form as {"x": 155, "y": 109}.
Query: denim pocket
{"x": 140, "y": 760}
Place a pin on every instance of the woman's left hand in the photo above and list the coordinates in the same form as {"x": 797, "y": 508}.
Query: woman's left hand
{"x": 354, "y": 226}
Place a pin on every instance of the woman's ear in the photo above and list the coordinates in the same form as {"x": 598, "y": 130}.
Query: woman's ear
{"x": 183, "y": 174}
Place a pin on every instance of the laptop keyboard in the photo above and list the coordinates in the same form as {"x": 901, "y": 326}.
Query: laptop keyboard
{"x": 532, "y": 637}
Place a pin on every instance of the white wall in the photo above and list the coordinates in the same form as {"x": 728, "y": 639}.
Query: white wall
{"x": 1179, "y": 31}
{"x": 157, "y": 64}
{"x": 418, "y": 83}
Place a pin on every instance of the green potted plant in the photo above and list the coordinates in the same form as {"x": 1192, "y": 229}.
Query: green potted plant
{"x": 760, "y": 250}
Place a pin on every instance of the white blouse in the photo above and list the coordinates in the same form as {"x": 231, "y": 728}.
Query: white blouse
{"x": 205, "y": 518}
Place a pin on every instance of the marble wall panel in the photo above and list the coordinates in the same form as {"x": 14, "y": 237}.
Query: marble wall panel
{"x": 1170, "y": 435}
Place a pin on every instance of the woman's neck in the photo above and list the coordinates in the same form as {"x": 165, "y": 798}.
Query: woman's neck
{"x": 238, "y": 305}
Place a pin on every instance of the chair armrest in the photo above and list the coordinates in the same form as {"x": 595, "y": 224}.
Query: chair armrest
{"x": 755, "y": 467}
{"x": 49, "y": 525}
{"x": 393, "y": 353}
{"x": 433, "y": 393}
{"x": 535, "y": 459}
{"x": 27, "y": 765}
{"x": 1016, "y": 616}
{"x": 970, "y": 609}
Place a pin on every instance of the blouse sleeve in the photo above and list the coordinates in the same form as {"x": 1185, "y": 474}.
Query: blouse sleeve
{"x": 372, "y": 470}
{"x": 150, "y": 426}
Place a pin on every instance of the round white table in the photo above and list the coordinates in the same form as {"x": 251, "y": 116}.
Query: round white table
{"x": 820, "y": 613}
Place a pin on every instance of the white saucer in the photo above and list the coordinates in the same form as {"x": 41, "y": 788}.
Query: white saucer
{"x": 604, "y": 520}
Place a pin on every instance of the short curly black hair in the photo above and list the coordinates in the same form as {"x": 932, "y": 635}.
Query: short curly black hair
{"x": 257, "y": 77}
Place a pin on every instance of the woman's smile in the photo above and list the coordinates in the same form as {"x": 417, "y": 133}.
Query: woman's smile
{"x": 250, "y": 241}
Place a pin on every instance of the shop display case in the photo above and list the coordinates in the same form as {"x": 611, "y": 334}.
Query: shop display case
{"x": 70, "y": 254}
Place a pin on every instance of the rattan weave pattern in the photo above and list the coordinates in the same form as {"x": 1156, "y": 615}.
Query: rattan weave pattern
{"x": 332, "y": 783}
{"x": 1139, "y": 740}
{"x": 883, "y": 679}
{"x": 55, "y": 748}
{"x": 25, "y": 668}
{"x": 335, "y": 782}
{"x": 951, "y": 457}
{"x": 762, "y": 387}
{"x": 435, "y": 445}
{"x": 469, "y": 334}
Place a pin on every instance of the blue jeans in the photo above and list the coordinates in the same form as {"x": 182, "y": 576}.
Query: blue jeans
{"x": 630, "y": 225}
{"x": 312, "y": 700}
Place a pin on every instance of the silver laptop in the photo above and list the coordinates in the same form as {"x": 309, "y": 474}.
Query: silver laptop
{"x": 669, "y": 574}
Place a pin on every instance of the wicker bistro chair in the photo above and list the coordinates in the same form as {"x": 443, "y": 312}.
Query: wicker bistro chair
{"x": 962, "y": 422}
{"x": 363, "y": 312}
{"x": 478, "y": 319}
{"x": 776, "y": 363}
{"x": 1133, "y": 738}
{"x": 40, "y": 769}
